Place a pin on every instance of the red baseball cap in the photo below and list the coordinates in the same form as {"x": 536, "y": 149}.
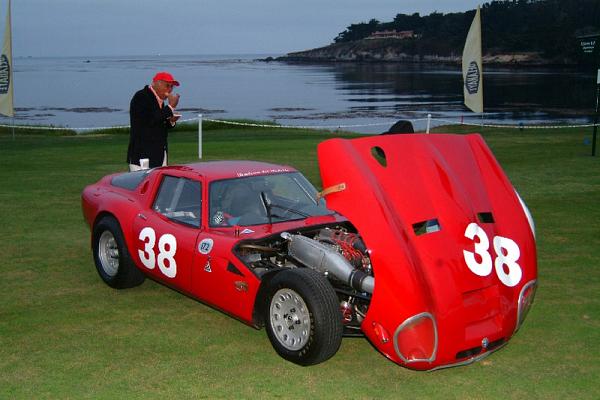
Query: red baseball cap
{"x": 165, "y": 76}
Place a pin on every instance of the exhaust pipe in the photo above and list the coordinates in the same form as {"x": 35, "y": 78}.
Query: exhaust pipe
{"x": 317, "y": 256}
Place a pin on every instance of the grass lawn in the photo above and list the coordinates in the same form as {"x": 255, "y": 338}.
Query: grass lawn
{"x": 65, "y": 334}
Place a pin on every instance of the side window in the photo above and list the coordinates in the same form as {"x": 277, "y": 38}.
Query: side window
{"x": 179, "y": 199}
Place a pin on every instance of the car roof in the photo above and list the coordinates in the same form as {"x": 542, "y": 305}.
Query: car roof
{"x": 231, "y": 169}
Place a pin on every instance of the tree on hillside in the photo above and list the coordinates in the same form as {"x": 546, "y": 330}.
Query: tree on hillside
{"x": 358, "y": 31}
{"x": 545, "y": 26}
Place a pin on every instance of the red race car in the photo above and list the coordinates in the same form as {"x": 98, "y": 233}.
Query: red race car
{"x": 423, "y": 246}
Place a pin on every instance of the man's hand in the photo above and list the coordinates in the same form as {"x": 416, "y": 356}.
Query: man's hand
{"x": 173, "y": 99}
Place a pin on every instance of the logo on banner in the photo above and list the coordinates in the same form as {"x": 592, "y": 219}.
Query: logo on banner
{"x": 4, "y": 74}
{"x": 473, "y": 78}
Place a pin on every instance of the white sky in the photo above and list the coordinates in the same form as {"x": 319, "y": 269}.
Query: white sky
{"x": 145, "y": 27}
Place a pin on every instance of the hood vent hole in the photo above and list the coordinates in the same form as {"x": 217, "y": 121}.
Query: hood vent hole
{"x": 379, "y": 155}
{"x": 428, "y": 226}
{"x": 485, "y": 217}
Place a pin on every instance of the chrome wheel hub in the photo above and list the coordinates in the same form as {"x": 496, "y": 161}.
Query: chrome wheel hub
{"x": 290, "y": 319}
{"x": 108, "y": 253}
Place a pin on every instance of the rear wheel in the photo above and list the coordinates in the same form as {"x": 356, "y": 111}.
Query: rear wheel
{"x": 303, "y": 320}
{"x": 113, "y": 262}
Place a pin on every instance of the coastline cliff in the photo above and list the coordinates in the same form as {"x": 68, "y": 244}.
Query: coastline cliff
{"x": 389, "y": 50}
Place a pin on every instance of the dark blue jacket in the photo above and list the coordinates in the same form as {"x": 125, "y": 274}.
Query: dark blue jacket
{"x": 149, "y": 125}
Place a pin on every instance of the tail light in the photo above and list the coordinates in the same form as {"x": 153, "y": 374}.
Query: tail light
{"x": 525, "y": 301}
{"x": 416, "y": 339}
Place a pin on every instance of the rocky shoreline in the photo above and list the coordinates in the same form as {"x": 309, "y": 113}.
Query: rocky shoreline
{"x": 394, "y": 51}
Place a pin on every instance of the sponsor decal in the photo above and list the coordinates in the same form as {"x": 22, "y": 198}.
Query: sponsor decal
{"x": 205, "y": 246}
{"x": 241, "y": 286}
{"x": 218, "y": 218}
{"x": 247, "y": 231}
{"x": 263, "y": 172}
{"x": 207, "y": 267}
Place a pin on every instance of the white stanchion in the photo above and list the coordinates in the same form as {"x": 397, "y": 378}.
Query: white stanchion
{"x": 200, "y": 136}
{"x": 428, "y": 123}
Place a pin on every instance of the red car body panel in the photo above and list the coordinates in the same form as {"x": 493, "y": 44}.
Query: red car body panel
{"x": 393, "y": 182}
{"x": 233, "y": 293}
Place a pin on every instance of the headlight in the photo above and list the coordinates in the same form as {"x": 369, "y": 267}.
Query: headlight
{"x": 525, "y": 301}
{"x": 415, "y": 340}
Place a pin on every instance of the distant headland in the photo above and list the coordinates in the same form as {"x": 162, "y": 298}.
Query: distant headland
{"x": 529, "y": 32}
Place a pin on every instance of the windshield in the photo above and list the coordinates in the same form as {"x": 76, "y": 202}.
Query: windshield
{"x": 263, "y": 199}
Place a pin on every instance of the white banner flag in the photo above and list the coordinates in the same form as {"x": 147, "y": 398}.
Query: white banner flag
{"x": 472, "y": 67}
{"x": 6, "y": 71}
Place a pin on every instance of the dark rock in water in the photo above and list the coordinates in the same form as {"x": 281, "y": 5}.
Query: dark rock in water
{"x": 288, "y": 109}
{"x": 199, "y": 110}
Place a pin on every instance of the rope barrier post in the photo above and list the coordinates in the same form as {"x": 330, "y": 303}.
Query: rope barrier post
{"x": 596, "y": 115}
{"x": 200, "y": 136}
{"x": 428, "y": 123}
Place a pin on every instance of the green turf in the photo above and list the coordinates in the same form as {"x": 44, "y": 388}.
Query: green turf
{"x": 65, "y": 334}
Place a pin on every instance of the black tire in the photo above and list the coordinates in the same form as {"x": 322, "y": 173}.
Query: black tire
{"x": 304, "y": 299}
{"x": 112, "y": 259}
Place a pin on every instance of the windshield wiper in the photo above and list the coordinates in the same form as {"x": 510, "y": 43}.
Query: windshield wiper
{"x": 301, "y": 213}
{"x": 267, "y": 204}
{"x": 269, "y": 207}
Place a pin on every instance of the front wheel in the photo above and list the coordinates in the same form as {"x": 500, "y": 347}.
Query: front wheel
{"x": 111, "y": 257}
{"x": 303, "y": 319}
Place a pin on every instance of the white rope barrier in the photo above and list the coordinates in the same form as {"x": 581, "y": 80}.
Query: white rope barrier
{"x": 299, "y": 126}
{"x": 387, "y": 123}
{"x": 68, "y": 128}
{"x": 328, "y": 127}
{"x": 523, "y": 126}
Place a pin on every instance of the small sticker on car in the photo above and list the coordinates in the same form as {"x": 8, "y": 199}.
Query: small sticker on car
{"x": 205, "y": 246}
{"x": 218, "y": 218}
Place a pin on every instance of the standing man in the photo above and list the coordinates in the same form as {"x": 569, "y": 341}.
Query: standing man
{"x": 150, "y": 119}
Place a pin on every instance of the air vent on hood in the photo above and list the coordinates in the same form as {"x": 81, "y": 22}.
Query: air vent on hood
{"x": 485, "y": 217}
{"x": 428, "y": 226}
{"x": 379, "y": 155}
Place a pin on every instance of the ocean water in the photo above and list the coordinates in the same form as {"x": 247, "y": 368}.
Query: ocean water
{"x": 95, "y": 92}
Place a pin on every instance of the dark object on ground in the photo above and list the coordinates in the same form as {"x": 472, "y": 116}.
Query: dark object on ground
{"x": 401, "y": 126}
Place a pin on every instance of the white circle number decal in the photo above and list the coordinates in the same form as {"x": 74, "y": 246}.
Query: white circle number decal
{"x": 167, "y": 246}
{"x": 205, "y": 246}
{"x": 507, "y": 255}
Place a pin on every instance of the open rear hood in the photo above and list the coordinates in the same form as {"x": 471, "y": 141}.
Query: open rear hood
{"x": 411, "y": 198}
